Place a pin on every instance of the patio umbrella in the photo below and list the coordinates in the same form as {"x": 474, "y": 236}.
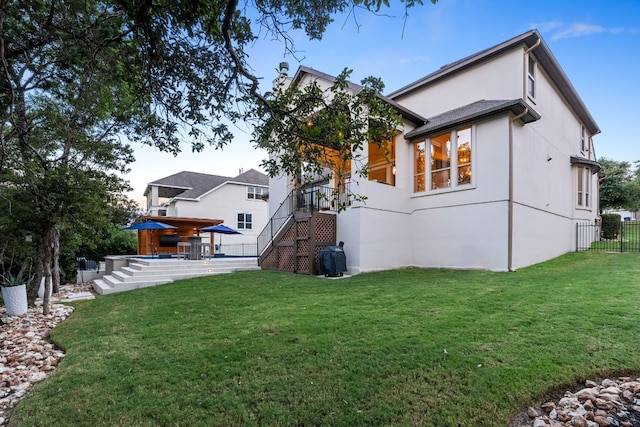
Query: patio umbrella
{"x": 222, "y": 229}
{"x": 150, "y": 225}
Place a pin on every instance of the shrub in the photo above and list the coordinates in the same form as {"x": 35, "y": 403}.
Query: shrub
{"x": 610, "y": 225}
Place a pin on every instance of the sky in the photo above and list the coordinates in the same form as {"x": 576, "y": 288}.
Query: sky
{"x": 596, "y": 43}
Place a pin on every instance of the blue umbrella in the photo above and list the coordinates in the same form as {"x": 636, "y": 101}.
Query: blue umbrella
{"x": 150, "y": 225}
{"x": 222, "y": 229}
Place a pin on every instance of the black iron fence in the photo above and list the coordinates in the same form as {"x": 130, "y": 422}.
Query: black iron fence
{"x": 591, "y": 237}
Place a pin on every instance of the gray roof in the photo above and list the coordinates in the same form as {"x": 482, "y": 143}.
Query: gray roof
{"x": 530, "y": 39}
{"x": 355, "y": 88}
{"x": 472, "y": 112}
{"x": 191, "y": 185}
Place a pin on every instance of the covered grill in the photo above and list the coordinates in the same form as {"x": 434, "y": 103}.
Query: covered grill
{"x": 332, "y": 261}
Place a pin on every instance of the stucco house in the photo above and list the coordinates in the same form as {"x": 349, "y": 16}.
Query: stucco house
{"x": 493, "y": 168}
{"x": 240, "y": 202}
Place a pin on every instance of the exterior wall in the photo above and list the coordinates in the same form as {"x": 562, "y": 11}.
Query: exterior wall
{"x": 224, "y": 203}
{"x": 501, "y": 78}
{"x": 466, "y": 228}
{"x": 470, "y": 227}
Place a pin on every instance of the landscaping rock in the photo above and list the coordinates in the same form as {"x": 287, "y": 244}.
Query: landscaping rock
{"x": 26, "y": 357}
{"x": 610, "y": 402}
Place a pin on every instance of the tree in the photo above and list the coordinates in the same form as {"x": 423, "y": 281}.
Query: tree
{"x": 81, "y": 79}
{"x": 620, "y": 189}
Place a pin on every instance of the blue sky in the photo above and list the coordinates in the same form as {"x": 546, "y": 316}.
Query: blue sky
{"x": 597, "y": 44}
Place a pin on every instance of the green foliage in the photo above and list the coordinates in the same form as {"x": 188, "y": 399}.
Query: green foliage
{"x": 620, "y": 189}
{"x": 308, "y": 127}
{"x": 270, "y": 348}
{"x": 610, "y": 225}
{"x": 9, "y": 280}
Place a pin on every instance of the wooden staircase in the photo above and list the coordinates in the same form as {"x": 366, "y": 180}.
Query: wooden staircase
{"x": 296, "y": 246}
{"x": 142, "y": 273}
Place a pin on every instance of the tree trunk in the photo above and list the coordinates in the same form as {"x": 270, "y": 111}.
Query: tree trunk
{"x": 46, "y": 265}
{"x": 56, "y": 259}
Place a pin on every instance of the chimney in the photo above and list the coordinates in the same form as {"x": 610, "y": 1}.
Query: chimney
{"x": 279, "y": 82}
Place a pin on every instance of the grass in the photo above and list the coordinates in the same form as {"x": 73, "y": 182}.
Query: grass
{"x": 269, "y": 348}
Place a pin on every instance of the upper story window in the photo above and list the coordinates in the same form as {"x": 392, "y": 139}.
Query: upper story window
{"x": 257, "y": 193}
{"x": 450, "y": 161}
{"x": 382, "y": 162}
{"x": 245, "y": 221}
{"x": 583, "y": 140}
{"x": 531, "y": 77}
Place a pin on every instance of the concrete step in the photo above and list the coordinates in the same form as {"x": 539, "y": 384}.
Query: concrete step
{"x": 142, "y": 273}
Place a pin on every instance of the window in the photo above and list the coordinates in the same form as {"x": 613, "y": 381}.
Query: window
{"x": 450, "y": 161}
{"x": 531, "y": 77}
{"x": 583, "y": 141}
{"x": 245, "y": 221}
{"x": 418, "y": 166}
{"x": 257, "y": 193}
{"x": 382, "y": 159}
{"x": 584, "y": 179}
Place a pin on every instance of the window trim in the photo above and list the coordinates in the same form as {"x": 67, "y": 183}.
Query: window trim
{"x": 583, "y": 187}
{"x": 453, "y": 160}
{"x": 244, "y": 221}
{"x": 253, "y": 195}
{"x": 531, "y": 73}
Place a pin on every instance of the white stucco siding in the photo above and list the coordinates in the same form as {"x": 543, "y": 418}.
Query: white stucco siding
{"x": 500, "y": 78}
{"x": 374, "y": 239}
{"x": 469, "y": 236}
{"x": 224, "y": 203}
{"x": 540, "y": 236}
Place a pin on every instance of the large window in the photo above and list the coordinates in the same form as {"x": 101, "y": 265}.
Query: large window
{"x": 245, "y": 221}
{"x": 584, "y": 179}
{"x": 382, "y": 158}
{"x": 450, "y": 161}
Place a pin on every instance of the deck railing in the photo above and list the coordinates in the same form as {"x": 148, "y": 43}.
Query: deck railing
{"x": 312, "y": 199}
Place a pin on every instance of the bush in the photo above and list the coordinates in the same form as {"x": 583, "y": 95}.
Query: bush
{"x": 610, "y": 226}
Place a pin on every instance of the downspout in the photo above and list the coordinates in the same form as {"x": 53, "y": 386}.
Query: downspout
{"x": 510, "y": 201}
{"x": 535, "y": 45}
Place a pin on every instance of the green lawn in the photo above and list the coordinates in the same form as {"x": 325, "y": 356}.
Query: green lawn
{"x": 269, "y": 348}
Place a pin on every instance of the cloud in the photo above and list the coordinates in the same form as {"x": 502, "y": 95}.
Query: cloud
{"x": 546, "y": 27}
{"x": 579, "y": 30}
{"x": 413, "y": 59}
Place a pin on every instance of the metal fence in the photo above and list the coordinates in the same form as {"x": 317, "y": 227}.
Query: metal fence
{"x": 236, "y": 249}
{"x": 590, "y": 237}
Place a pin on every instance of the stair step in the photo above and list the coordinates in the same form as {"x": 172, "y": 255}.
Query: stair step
{"x": 141, "y": 273}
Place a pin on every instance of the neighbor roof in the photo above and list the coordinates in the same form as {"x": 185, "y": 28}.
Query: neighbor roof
{"x": 191, "y": 185}
{"x": 472, "y": 112}
{"x": 542, "y": 53}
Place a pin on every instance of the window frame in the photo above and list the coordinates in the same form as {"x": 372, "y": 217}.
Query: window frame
{"x": 583, "y": 187}
{"x": 531, "y": 72}
{"x": 252, "y": 193}
{"x": 242, "y": 224}
{"x": 424, "y": 179}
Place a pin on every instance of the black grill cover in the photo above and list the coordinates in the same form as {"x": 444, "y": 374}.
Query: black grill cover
{"x": 332, "y": 261}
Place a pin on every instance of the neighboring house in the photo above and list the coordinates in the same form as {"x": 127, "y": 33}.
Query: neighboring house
{"x": 494, "y": 167}
{"x": 624, "y": 215}
{"x": 240, "y": 202}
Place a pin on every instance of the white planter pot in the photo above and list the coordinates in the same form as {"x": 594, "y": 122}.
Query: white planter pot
{"x": 15, "y": 300}
{"x": 41, "y": 289}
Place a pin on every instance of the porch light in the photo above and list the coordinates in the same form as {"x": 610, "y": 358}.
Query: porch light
{"x": 393, "y": 169}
